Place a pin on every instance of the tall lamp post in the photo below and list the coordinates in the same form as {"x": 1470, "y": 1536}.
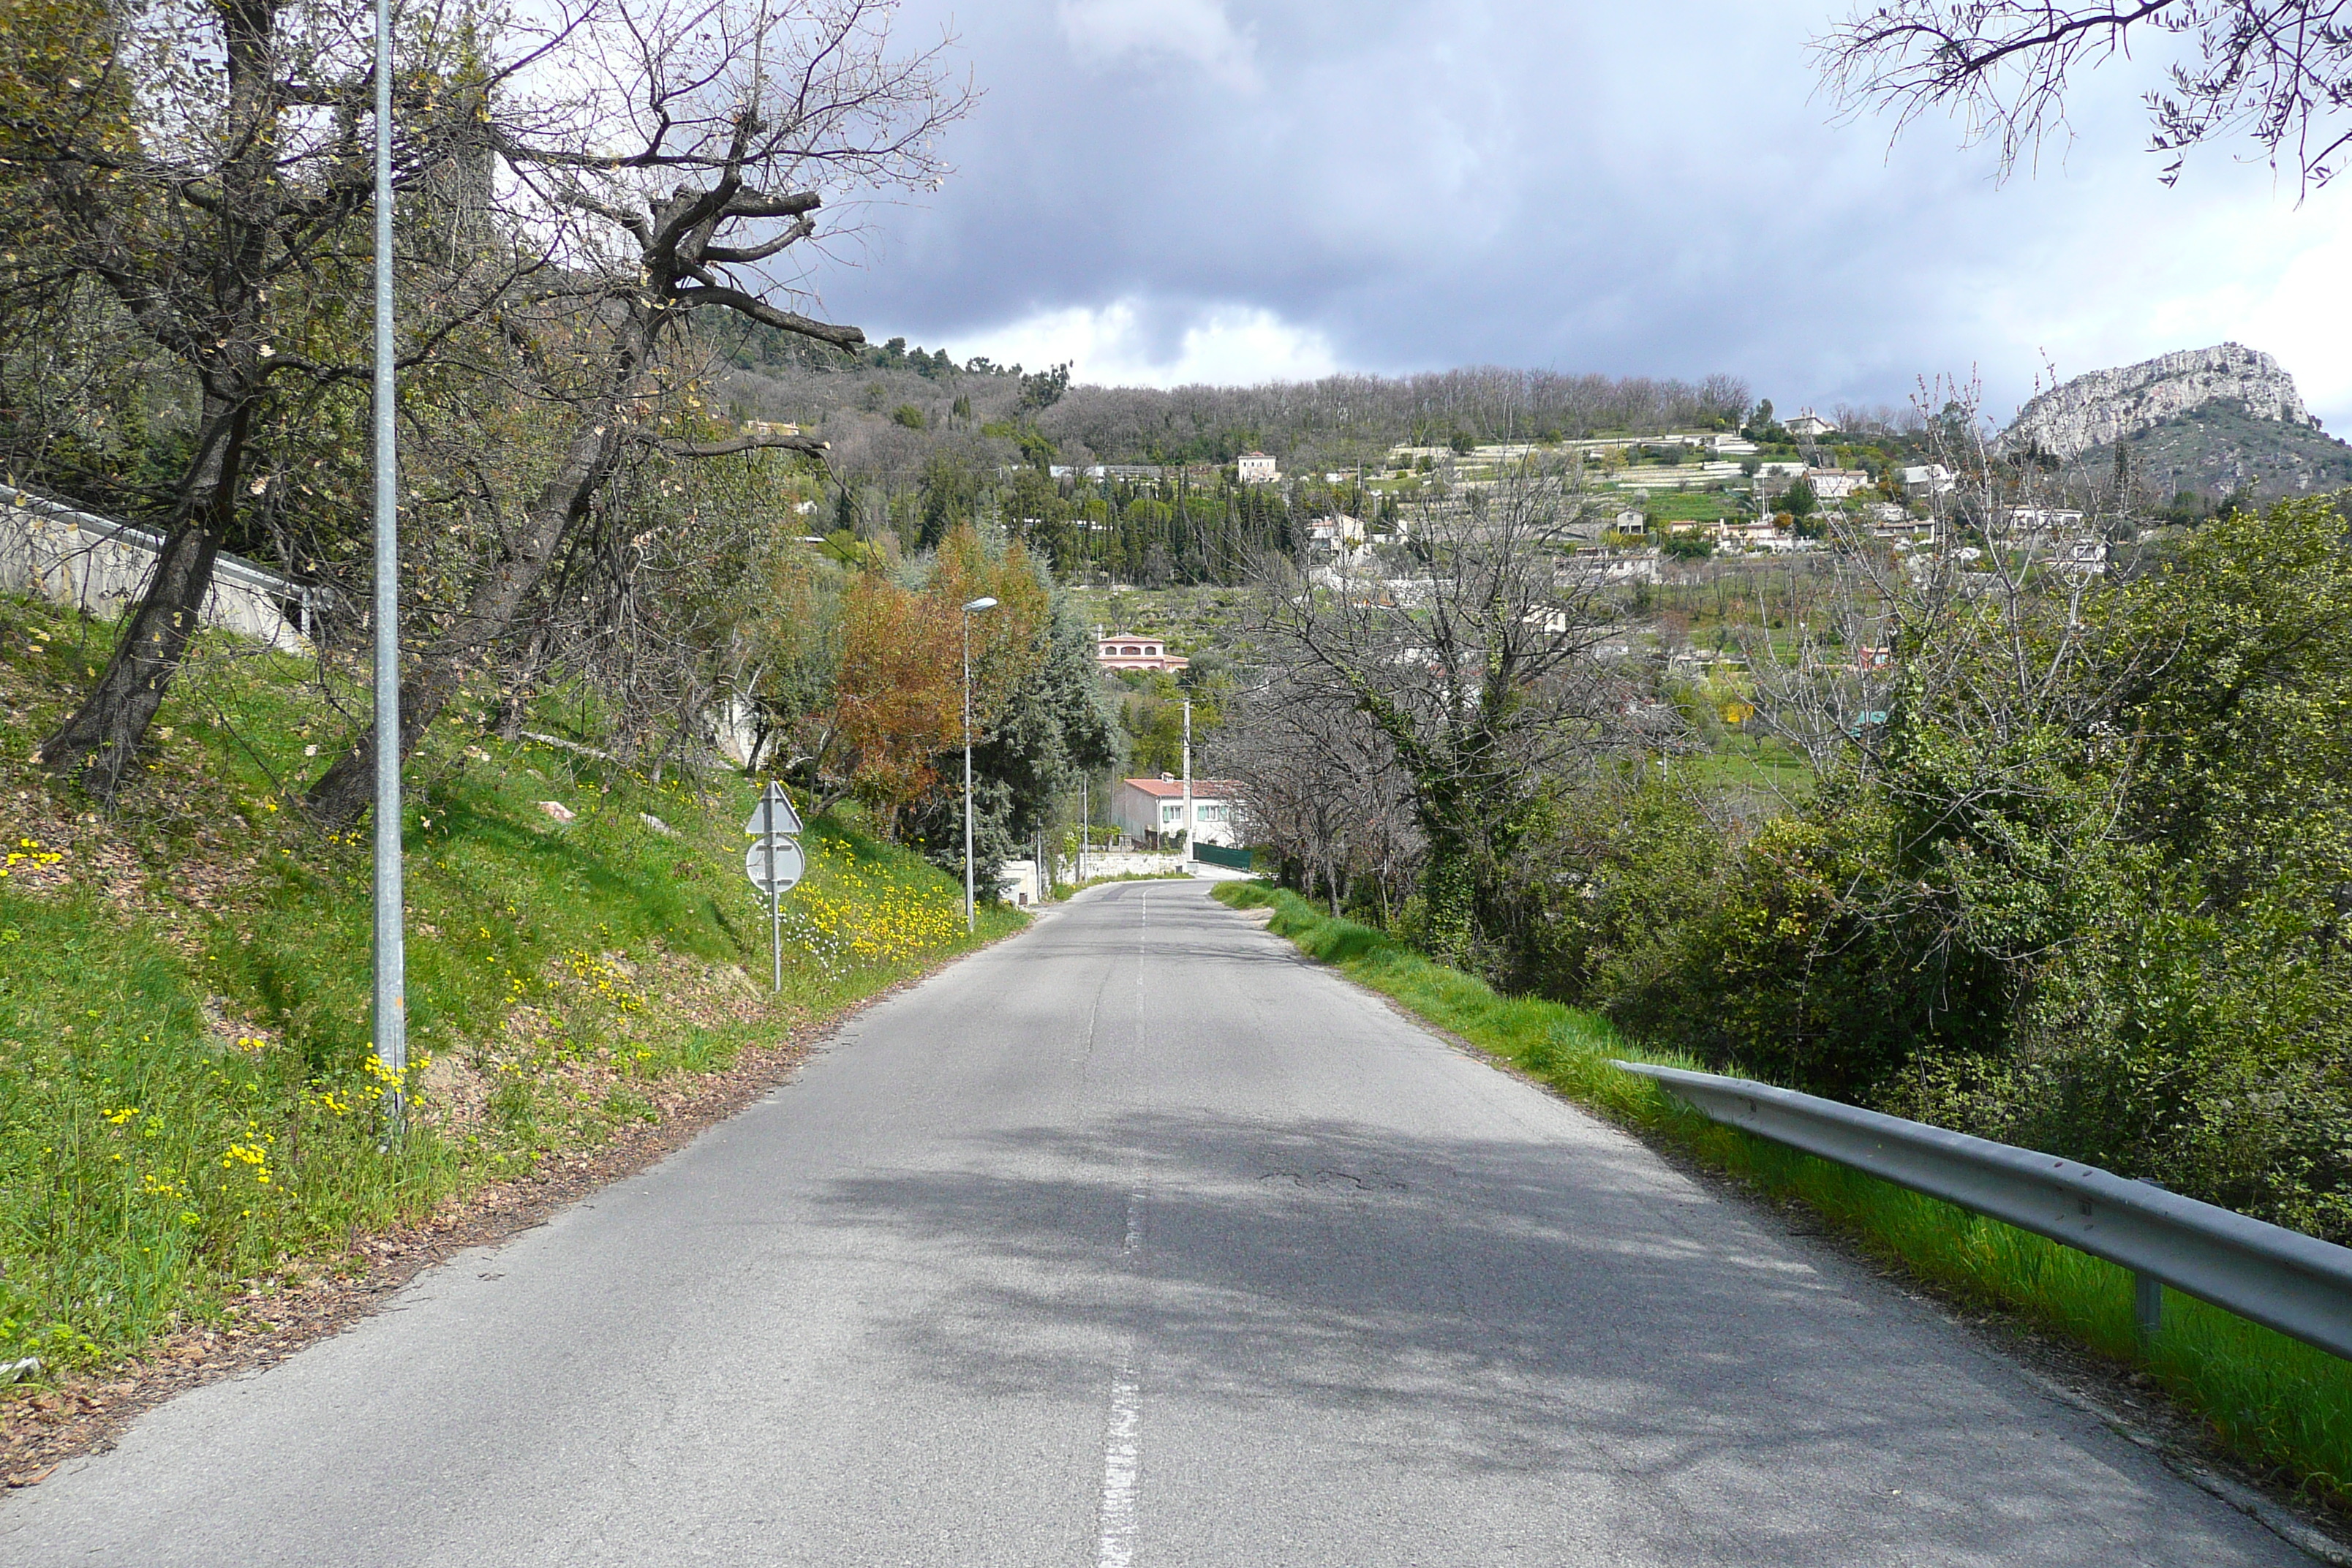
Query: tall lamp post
{"x": 391, "y": 1009}
{"x": 970, "y": 922}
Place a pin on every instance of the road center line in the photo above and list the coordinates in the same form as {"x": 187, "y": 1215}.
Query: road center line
{"x": 1122, "y": 1477}
{"x": 1123, "y": 1482}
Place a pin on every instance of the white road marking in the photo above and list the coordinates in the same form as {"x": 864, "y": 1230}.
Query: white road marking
{"x": 1123, "y": 1482}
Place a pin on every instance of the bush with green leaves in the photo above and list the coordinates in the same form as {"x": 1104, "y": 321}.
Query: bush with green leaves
{"x": 2088, "y": 891}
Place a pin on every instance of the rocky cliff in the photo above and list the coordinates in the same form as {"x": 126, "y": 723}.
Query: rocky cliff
{"x": 2110, "y": 405}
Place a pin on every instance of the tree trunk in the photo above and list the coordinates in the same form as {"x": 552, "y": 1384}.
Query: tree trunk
{"x": 1449, "y": 889}
{"x": 97, "y": 745}
{"x": 348, "y": 786}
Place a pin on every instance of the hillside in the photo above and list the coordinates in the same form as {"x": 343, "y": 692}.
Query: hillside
{"x": 895, "y": 412}
{"x": 2222, "y": 448}
{"x": 2214, "y": 422}
{"x": 187, "y": 1104}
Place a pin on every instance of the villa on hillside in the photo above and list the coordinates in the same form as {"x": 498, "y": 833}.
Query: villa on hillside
{"x": 1336, "y": 535}
{"x": 1151, "y": 811}
{"x": 1810, "y": 425}
{"x": 1257, "y": 468}
{"x": 1130, "y": 650}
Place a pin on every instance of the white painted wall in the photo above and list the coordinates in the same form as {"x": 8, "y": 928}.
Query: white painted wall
{"x": 102, "y": 566}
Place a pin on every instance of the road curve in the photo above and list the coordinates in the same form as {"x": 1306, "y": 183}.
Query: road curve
{"x": 1137, "y": 1240}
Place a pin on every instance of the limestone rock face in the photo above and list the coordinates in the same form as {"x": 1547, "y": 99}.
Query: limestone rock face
{"x": 2110, "y": 405}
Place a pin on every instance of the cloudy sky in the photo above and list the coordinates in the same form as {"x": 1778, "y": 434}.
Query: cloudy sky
{"x": 1165, "y": 191}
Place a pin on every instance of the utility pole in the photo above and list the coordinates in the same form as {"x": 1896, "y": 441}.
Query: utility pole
{"x": 1188, "y": 781}
{"x": 969, "y": 920}
{"x": 390, "y": 1013}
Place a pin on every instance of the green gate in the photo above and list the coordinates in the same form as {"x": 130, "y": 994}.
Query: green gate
{"x": 1218, "y": 855}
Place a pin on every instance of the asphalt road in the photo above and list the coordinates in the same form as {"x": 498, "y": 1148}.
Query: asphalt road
{"x": 1137, "y": 1240}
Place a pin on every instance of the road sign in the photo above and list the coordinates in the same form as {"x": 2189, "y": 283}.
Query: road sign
{"x": 774, "y": 863}
{"x": 790, "y": 863}
{"x": 774, "y": 813}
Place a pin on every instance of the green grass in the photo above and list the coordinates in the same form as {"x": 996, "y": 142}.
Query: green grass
{"x": 2273, "y": 1400}
{"x": 1747, "y": 763}
{"x": 1689, "y": 506}
{"x": 187, "y": 1093}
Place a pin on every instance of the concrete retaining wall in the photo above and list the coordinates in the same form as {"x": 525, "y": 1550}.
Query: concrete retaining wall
{"x": 100, "y": 566}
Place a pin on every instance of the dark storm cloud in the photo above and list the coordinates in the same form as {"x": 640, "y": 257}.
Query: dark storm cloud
{"x": 1635, "y": 190}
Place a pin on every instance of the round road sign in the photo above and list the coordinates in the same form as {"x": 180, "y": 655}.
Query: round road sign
{"x": 791, "y": 866}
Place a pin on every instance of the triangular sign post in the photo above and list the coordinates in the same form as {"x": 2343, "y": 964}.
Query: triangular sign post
{"x": 774, "y": 813}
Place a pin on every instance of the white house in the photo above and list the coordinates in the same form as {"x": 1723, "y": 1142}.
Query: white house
{"x": 1837, "y": 484}
{"x": 2040, "y": 519}
{"x": 1132, "y": 650}
{"x": 1257, "y": 468}
{"x": 1335, "y": 534}
{"x": 1152, "y": 810}
{"x": 1810, "y": 425}
{"x": 100, "y": 566}
{"x": 1931, "y": 478}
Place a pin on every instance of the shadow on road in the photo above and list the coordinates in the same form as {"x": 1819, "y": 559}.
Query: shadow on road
{"x": 1479, "y": 1308}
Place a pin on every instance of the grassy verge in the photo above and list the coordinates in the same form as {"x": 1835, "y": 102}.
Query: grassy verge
{"x": 188, "y": 1092}
{"x": 2273, "y": 1400}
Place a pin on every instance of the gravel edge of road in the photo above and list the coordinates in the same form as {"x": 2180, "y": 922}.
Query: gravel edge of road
{"x": 2058, "y": 1371}
{"x": 83, "y": 1415}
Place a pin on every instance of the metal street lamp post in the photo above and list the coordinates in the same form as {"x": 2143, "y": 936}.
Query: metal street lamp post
{"x": 970, "y": 922}
{"x": 391, "y": 1009}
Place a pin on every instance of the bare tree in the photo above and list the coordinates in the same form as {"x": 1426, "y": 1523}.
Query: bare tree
{"x": 2275, "y": 72}
{"x": 203, "y": 162}
{"x": 1320, "y": 788}
{"x": 693, "y": 145}
{"x": 1968, "y": 683}
{"x": 1476, "y": 676}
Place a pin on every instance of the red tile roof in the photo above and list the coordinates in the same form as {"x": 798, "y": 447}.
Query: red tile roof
{"x": 1173, "y": 789}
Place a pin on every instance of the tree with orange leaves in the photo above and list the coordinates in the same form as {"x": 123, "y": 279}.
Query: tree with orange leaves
{"x": 898, "y": 701}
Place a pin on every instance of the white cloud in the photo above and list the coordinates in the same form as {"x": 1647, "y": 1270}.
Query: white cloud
{"x": 2200, "y": 265}
{"x": 1101, "y": 32}
{"x": 2293, "y": 309}
{"x": 1109, "y": 345}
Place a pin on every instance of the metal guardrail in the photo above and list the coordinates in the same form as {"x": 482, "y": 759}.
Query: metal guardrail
{"x": 2281, "y": 1279}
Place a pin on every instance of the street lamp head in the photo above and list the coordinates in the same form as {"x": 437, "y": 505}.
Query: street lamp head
{"x": 979, "y": 604}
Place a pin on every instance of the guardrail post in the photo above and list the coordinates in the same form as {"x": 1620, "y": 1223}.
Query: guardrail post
{"x": 2147, "y": 1306}
{"x": 2147, "y": 1290}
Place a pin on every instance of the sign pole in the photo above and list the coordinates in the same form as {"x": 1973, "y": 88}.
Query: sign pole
{"x": 775, "y": 900}
{"x": 773, "y": 822}
{"x": 1188, "y": 833}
